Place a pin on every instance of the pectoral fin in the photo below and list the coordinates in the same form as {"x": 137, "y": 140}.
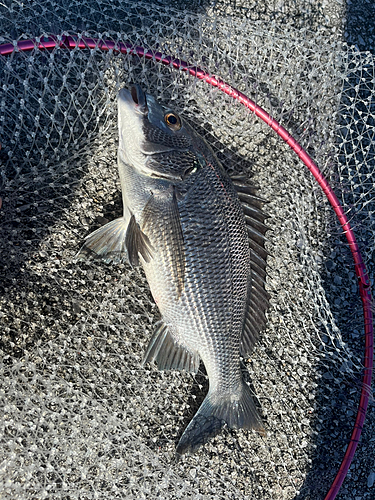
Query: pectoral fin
{"x": 162, "y": 217}
{"x": 176, "y": 240}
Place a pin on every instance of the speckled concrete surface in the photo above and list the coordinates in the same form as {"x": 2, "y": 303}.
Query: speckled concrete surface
{"x": 80, "y": 417}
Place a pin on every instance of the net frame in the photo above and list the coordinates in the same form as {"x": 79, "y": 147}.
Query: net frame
{"x": 70, "y": 42}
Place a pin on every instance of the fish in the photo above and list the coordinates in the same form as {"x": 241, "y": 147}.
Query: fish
{"x": 200, "y": 237}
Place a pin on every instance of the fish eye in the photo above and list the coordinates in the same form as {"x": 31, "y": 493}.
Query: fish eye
{"x": 173, "y": 121}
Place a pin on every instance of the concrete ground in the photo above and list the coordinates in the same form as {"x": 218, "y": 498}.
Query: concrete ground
{"x": 80, "y": 417}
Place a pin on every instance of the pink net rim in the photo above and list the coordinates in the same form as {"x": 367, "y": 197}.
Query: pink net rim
{"x": 81, "y": 42}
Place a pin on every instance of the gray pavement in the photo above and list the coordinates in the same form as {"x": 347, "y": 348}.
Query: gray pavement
{"x": 80, "y": 417}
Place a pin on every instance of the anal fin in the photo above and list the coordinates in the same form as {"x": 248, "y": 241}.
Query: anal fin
{"x": 168, "y": 353}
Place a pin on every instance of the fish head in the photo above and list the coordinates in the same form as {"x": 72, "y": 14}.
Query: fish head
{"x": 153, "y": 138}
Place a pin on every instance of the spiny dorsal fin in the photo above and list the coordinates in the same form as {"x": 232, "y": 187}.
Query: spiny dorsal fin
{"x": 168, "y": 353}
{"x": 258, "y": 298}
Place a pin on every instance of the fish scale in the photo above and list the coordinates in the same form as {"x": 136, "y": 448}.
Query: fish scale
{"x": 184, "y": 222}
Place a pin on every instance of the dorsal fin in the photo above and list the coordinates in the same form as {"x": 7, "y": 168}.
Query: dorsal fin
{"x": 258, "y": 298}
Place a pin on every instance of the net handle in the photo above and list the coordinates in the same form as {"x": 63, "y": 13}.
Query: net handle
{"x": 81, "y": 42}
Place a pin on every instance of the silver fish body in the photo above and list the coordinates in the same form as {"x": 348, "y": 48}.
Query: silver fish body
{"x": 184, "y": 222}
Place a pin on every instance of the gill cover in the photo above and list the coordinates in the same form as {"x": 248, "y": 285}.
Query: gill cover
{"x": 153, "y": 138}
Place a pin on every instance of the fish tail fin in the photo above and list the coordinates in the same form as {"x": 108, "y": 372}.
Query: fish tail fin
{"x": 216, "y": 411}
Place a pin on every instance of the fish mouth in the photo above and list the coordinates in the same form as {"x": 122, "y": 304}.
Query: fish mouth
{"x": 134, "y": 97}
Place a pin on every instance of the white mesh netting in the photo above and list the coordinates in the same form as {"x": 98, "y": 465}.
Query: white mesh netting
{"x": 80, "y": 417}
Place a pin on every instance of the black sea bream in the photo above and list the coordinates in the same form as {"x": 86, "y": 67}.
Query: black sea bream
{"x": 200, "y": 240}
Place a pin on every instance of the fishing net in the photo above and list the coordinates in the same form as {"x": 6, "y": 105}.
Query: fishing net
{"x": 80, "y": 417}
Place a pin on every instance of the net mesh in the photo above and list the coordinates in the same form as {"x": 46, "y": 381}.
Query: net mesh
{"x": 80, "y": 417}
